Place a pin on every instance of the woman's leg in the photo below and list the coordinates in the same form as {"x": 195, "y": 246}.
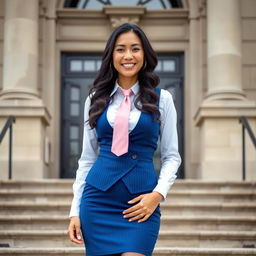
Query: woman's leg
{"x": 118, "y": 254}
{"x": 132, "y": 254}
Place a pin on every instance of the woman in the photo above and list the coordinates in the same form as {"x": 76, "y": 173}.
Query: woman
{"x": 116, "y": 191}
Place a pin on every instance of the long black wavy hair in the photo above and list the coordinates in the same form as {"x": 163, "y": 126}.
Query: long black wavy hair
{"x": 107, "y": 76}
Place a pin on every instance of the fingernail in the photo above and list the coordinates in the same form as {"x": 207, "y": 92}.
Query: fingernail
{"x": 124, "y": 216}
{"x": 79, "y": 237}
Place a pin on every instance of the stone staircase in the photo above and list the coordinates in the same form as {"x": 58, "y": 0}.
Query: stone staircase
{"x": 198, "y": 218}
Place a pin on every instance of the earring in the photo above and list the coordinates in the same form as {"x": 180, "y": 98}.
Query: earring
{"x": 145, "y": 65}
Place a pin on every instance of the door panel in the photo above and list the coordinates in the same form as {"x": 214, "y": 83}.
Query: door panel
{"x": 170, "y": 69}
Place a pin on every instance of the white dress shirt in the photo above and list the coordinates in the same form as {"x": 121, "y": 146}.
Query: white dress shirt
{"x": 170, "y": 158}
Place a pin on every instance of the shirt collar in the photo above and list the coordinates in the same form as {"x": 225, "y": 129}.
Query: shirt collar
{"x": 134, "y": 88}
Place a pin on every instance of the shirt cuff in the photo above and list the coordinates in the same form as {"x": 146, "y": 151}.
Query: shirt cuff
{"x": 163, "y": 187}
{"x": 74, "y": 211}
{"x": 162, "y": 191}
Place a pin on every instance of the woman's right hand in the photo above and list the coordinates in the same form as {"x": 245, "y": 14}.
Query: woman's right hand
{"x": 74, "y": 230}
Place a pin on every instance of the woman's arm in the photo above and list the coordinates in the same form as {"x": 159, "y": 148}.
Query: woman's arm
{"x": 170, "y": 162}
{"x": 170, "y": 157}
{"x": 87, "y": 159}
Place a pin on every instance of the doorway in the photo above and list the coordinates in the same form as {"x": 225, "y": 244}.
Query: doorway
{"x": 78, "y": 72}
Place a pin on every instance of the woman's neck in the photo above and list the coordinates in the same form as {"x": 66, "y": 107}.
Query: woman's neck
{"x": 126, "y": 82}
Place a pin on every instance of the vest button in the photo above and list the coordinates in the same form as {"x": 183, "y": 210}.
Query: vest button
{"x": 134, "y": 156}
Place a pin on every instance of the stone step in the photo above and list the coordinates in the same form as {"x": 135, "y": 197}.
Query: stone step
{"x": 201, "y": 223}
{"x": 209, "y": 208}
{"x": 206, "y": 239}
{"x": 47, "y": 209}
{"x": 40, "y": 184}
{"x": 59, "y": 222}
{"x": 212, "y": 196}
{"x": 171, "y": 209}
{"x": 159, "y": 251}
{"x": 187, "y": 184}
{"x": 175, "y": 196}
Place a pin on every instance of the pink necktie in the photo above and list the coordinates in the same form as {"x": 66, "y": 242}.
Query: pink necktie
{"x": 120, "y": 134}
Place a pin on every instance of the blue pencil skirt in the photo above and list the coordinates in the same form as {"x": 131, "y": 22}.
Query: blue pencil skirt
{"x": 104, "y": 229}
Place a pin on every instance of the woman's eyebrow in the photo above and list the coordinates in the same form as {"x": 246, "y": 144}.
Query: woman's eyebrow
{"x": 123, "y": 45}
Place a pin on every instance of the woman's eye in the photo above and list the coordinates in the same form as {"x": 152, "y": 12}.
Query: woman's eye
{"x": 119, "y": 49}
{"x": 136, "y": 49}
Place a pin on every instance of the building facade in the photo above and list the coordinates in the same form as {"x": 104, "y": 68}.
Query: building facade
{"x": 50, "y": 51}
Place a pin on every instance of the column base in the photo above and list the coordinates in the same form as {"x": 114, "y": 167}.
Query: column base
{"x": 25, "y": 108}
{"x": 221, "y": 140}
{"x": 29, "y": 140}
{"x": 224, "y": 109}
{"x": 19, "y": 93}
{"x": 225, "y": 95}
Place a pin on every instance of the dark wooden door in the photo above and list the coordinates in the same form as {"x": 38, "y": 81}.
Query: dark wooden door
{"x": 170, "y": 69}
{"x": 78, "y": 73}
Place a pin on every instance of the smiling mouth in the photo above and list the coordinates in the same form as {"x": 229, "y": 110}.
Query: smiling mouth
{"x": 128, "y": 65}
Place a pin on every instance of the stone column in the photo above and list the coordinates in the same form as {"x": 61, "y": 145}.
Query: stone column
{"x": 19, "y": 95}
{"x": 225, "y": 101}
{"x": 194, "y": 90}
{"x": 50, "y": 91}
{"x": 20, "y": 69}
{"x": 224, "y": 50}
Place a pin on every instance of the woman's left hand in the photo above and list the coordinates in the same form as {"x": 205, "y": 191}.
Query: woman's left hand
{"x": 146, "y": 206}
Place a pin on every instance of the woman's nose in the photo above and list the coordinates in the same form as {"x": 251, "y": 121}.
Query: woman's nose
{"x": 128, "y": 55}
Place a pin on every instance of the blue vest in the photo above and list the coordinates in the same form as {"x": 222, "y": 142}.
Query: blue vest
{"x": 136, "y": 167}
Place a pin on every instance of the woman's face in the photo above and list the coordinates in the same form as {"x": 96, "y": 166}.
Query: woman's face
{"x": 128, "y": 55}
